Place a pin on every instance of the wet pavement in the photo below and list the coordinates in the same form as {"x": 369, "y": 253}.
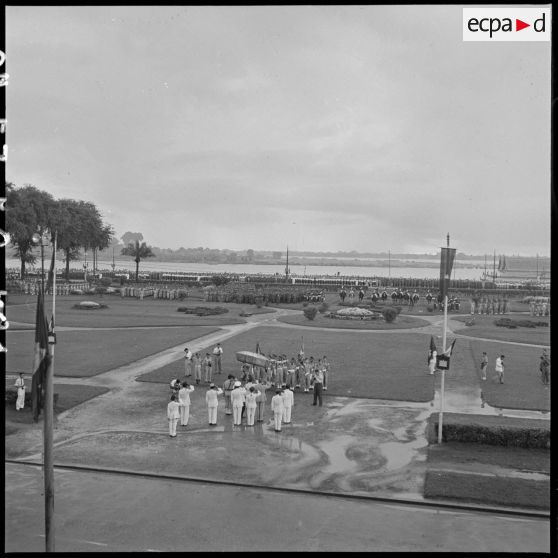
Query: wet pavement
{"x": 348, "y": 446}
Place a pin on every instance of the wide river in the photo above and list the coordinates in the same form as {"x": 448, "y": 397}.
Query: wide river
{"x": 267, "y": 269}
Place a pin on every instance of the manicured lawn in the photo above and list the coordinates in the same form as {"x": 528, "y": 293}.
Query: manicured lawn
{"x": 401, "y": 322}
{"x": 522, "y": 388}
{"x": 88, "y": 353}
{"x": 381, "y": 366}
{"x": 123, "y": 312}
{"x": 477, "y": 456}
{"x": 475, "y": 488}
{"x": 484, "y": 327}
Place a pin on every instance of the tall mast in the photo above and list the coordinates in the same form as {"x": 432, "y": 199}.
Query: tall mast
{"x": 287, "y": 264}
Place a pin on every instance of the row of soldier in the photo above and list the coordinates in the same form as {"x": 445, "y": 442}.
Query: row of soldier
{"x": 294, "y": 373}
{"x": 489, "y": 305}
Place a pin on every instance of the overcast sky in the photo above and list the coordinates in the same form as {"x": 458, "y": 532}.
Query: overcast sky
{"x": 324, "y": 128}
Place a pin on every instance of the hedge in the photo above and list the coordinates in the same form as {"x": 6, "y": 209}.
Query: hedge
{"x": 497, "y": 431}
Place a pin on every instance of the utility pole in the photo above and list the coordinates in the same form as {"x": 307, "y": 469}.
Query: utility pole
{"x": 442, "y": 386}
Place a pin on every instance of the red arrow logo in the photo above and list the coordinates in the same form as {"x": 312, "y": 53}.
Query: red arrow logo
{"x": 519, "y": 25}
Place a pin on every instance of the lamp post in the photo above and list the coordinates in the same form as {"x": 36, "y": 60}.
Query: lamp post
{"x": 48, "y": 460}
{"x": 85, "y": 265}
{"x": 41, "y": 240}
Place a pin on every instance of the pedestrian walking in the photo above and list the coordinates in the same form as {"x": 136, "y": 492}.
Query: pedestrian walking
{"x": 500, "y": 368}
{"x": 238, "y": 397}
{"x": 173, "y": 414}
{"x": 184, "y": 403}
{"x": 228, "y": 386}
{"x": 206, "y": 365}
{"x": 484, "y": 365}
{"x": 20, "y": 385}
{"x": 277, "y": 408}
{"x": 251, "y": 404}
{"x": 217, "y": 354}
{"x": 187, "y": 362}
{"x": 318, "y": 381}
{"x": 288, "y": 402}
{"x": 211, "y": 398}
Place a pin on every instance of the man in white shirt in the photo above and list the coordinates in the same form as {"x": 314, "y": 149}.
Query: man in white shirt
{"x": 184, "y": 402}
{"x": 187, "y": 362}
{"x": 217, "y": 353}
{"x": 173, "y": 414}
{"x": 20, "y": 385}
{"x": 277, "y": 408}
{"x": 212, "y": 403}
{"x": 288, "y": 402}
{"x": 238, "y": 398}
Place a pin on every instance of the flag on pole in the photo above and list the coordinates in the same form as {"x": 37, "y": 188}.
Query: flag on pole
{"x": 448, "y": 351}
{"x": 446, "y": 265}
{"x": 41, "y": 358}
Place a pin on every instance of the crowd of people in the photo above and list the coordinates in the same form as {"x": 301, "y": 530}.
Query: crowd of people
{"x": 245, "y": 396}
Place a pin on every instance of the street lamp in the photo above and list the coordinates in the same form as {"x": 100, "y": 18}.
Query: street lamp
{"x": 85, "y": 265}
{"x": 40, "y": 239}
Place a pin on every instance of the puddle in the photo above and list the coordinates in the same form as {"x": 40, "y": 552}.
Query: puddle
{"x": 399, "y": 455}
{"x": 336, "y": 451}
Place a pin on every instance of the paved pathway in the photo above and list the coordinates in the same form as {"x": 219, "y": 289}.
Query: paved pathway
{"x": 358, "y": 447}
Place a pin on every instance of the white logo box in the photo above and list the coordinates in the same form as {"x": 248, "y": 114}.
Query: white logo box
{"x": 501, "y": 24}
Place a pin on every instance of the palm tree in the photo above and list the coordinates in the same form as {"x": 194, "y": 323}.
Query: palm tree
{"x": 138, "y": 251}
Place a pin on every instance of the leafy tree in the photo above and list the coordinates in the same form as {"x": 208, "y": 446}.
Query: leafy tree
{"x": 138, "y": 252}
{"x": 78, "y": 224}
{"x": 131, "y": 237}
{"x": 27, "y": 212}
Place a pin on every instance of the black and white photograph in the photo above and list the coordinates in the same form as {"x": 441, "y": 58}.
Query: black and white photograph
{"x": 277, "y": 278}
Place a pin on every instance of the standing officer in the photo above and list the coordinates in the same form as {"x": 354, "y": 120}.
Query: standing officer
{"x": 238, "y": 397}
{"x": 277, "y": 408}
{"x": 184, "y": 403}
{"x": 288, "y": 402}
{"x": 217, "y": 353}
{"x": 212, "y": 403}
{"x": 173, "y": 414}
{"x": 318, "y": 378}
{"x": 228, "y": 386}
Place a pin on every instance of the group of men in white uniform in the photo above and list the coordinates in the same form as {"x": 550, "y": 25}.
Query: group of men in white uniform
{"x": 249, "y": 398}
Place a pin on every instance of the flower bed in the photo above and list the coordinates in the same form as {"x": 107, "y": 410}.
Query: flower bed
{"x": 354, "y": 313}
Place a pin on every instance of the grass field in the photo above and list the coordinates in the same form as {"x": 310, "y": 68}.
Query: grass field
{"x": 485, "y": 327}
{"x": 362, "y": 364}
{"x": 475, "y": 488}
{"x": 122, "y": 312}
{"x": 90, "y": 352}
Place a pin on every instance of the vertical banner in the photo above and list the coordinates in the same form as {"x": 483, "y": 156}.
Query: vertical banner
{"x": 446, "y": 265}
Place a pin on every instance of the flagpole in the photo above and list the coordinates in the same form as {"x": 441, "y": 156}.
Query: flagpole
{"x": 442, "y": 386}
{"x": 48, "y": 427}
